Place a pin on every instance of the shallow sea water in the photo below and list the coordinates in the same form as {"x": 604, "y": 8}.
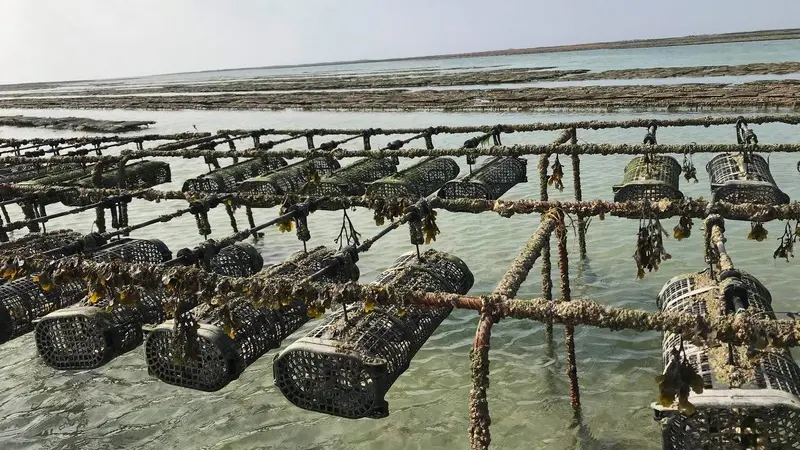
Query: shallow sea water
{"x": 120, "y": 406}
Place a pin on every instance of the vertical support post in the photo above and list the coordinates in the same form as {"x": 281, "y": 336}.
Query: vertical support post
{"x": 251, "y": 221}
{"x": 479, "y": 419}
{"x": 576, "y": 176}
{"x": 229, "y": 210}
{"x": 30, "y": 214}
{"x": 97, "y": 182}
{"x": 569, "y": 329}
{"x": 5, "y": 213}
{"x": 547, "y": 281}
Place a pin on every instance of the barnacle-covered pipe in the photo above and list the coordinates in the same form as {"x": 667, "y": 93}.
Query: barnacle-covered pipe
{"x": 346, "y": 365}
{"x": 233, "y": 336}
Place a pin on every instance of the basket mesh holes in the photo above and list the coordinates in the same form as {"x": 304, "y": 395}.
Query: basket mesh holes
{"x": 491, "y": 180}
{"x": 779, "y": 427}
{"x": 714, "y": 426}
{"x": 313, "y": 371}
{"x": 200, "y": 373}
{"x": 289, "y": 179}
{"x": 737, "y": 181}
{"x": 226, "y": 178}
{"x": 73, "y": 342}
{"x": 257, "y": 331}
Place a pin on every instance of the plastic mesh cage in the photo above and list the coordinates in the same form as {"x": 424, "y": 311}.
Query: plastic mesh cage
{"x": 419, "y": 180}
{"x": 23, "y": 301}
{"x": 290, "y": 179}
{"x": 222, "y": 358}
{"x": 490, "y": 181}
{"x": 141, "y": 174}
{"x": 767, "y": 406}
{"x": 25, "y": 172}
{"x": 226, "y": 178}
{"x": 58, "y": 177}
{"x": 346, "y": 365}
{"x": 35, "y": 243}
{"x": 88, "y": 335}
{"x": 351, "y": 180}
{"x": 743, "y": 178}
{"x": 237, "y": 260}
{"x": 649, "y": 178}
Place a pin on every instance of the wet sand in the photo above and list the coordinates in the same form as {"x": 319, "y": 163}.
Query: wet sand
{"x": 754, "y": 95}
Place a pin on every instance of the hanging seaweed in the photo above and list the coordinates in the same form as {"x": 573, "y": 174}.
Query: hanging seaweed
{"x": 384, "y": 208}
{"x": 678, "y": 379}
{"x": 347, "y": 234}
{"x": 785, "y": 249}
{"x": 757, "y": 231}
{"x": 286, "y": 225}
{"x": 556, "y": 179}
{"x": 689, "y": 171}
{"x": 684, "y": 228}
{"x": 650, "y": 247}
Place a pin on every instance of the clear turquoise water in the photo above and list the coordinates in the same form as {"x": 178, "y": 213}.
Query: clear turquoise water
{"x": 120, "y": 406}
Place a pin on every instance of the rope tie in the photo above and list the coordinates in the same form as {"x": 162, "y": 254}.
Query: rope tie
{"x": 366, "y": 135}
{"x": 232, "y": 144}
{"x": 200, "y": 212}
{"x": 300, "y": 214}
{"x": 650, "y": 136}
{"x": 428, "y": 135}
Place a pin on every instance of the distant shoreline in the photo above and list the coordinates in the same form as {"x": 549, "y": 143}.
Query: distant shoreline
{"x": 703, "y": 39}
{"x": 700, "y": 39}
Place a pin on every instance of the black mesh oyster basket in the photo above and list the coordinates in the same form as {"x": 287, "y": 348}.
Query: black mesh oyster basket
{"x": 57, "y": 178}
{"x": 35, "y": 243}
{"x": 86, "y": 335}
{"x": 649, "y": 178}
{"x": 23, "y": 301}
{"x": 346, "y": 365}
{"x": 419, "y": 180}
{"x": 226, "y": 178}
{"x": 89, "y": 335}
{"x": 743, "y": 178}
{"x": 762, "y": 410}
{"x": 140, "y": 174}
{"x": 223, "y": 356}
{"x": 489, "y": 181}
{"x": 290, "y": 179}
{"x": 24, "y": 172}
{"x": 352, "y": 180}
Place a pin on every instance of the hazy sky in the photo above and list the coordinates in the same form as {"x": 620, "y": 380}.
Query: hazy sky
{"x": 78, "y": 39}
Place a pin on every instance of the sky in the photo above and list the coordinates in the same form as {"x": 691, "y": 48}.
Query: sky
{"x": 48, "y": 40}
